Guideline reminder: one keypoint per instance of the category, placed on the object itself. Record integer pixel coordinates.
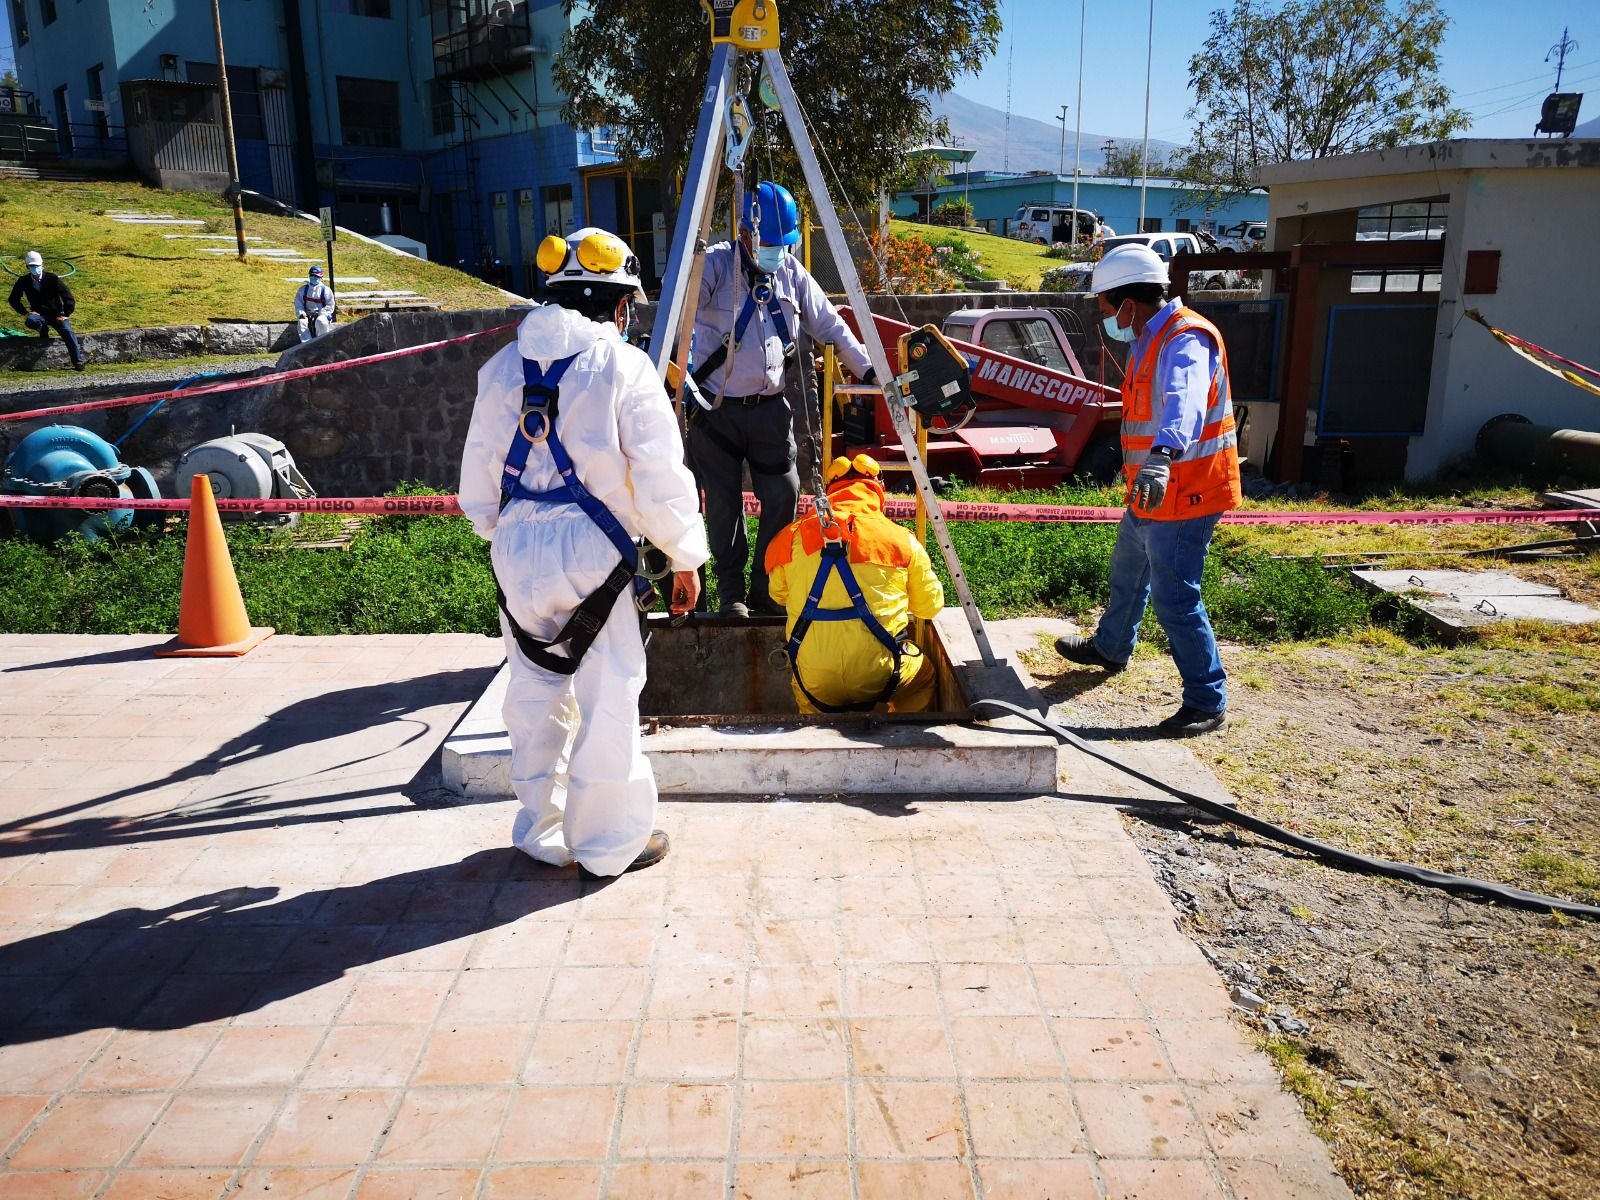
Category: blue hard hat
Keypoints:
(776, 208)
(316, 270)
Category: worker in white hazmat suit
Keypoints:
(572, 452)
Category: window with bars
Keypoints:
(369, 111)
(1405, 221)
(47, 11)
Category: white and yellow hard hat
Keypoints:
(590, 255)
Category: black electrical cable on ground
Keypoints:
(1460, 885)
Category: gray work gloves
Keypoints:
(1150, 484)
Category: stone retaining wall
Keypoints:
(367, 429)
(147, 345)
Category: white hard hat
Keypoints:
(33, 258)
(591, 255)
(1123, 265)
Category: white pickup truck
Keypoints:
(1074, 277)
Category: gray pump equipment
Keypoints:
(245, 466)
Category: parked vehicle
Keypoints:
(1075, 276)
(1046, 224)
(1038, 421)
(1246, 235)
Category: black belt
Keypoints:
(748, 401)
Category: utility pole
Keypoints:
(1149, 58)
(227, 131)
(1077, 138)
(1061, 163)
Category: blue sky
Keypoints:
(1493, 60)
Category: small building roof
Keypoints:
(1458, 154)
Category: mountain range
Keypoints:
(1031, 145)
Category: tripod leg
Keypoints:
(680, 289)
(790, 106)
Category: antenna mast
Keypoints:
(1561, 49)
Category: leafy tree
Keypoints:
(1127, 159)
(1313, 78)
(862, 69)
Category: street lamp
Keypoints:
(1061, 165)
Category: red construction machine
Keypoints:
(1038, 420)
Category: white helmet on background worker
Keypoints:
(1127, 264)
(589, 256)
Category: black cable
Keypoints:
(1460, 885)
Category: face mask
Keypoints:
(36, 269)
(1115, 331)
(770, 258)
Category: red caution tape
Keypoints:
(234, 385)
(896, 507)
(1065, 514)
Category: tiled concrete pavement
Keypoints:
(246, 950)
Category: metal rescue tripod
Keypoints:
(752, 25)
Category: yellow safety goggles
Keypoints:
(599, 253)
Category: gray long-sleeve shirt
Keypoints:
(756, 367)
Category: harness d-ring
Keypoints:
(544, 428)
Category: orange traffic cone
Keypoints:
(212, 622)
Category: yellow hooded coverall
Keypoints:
(840, 661)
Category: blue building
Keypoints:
(437, 119)
(996, 196)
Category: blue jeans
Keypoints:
(1160, 562)
(43, 325)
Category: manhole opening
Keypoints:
(711, 671)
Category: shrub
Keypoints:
(952, 212)
(1064, 279)
(956, 256)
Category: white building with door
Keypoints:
(1396, 371)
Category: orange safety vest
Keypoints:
(1205, 478)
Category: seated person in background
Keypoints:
(849, 592)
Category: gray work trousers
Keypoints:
(720, 443)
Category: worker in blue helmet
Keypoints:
(755, 299)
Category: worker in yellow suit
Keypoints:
(849, 589)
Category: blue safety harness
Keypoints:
(761, 293)
(836, 560)
(540, 405)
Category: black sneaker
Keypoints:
(734, 609)
(1187, 722)
(767, 608)
(77, 366)
(1082, 650)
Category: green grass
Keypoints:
(1018, 263)
(131, 275)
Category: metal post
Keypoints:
(1061, 163)
(1149, 57)
(689, 228)
(227, 131)
(1077, 138)
(790, 106)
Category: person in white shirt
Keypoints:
(313, 306)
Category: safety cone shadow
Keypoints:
(212, 622)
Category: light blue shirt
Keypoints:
(756, 367)
(1181, 382)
